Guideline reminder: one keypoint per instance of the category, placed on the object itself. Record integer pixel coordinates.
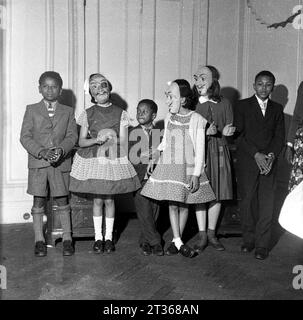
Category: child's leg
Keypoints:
(64, 214)
(183, 215)
(201, 242)
(97, 218)
(109, 217)
(38, 211)
(213, 215)
(174, 221)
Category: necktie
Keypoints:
(51, 110)
(263, 107)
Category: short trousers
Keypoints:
(43, 180)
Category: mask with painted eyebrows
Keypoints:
(97, 82)
(203, 79)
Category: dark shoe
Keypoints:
(261, 253)
(171, 250)
(40, 249)
(98, 246)
(215, 243)
(187, 251)
(109, 246)
(201, 243)
(68, 248)
(146, 249)
(157, 250)
(246, 248)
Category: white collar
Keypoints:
(105, 105)
(261, 102)
(203, 99)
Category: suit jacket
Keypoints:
(139, 144)
(258, 133)
(39, 131)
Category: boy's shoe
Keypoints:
(68, 248)
(171, 250)
(109, 246)
(98, 246)
(157, 250)
(40, 249)
(146, 249)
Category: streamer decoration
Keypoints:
(270, 25)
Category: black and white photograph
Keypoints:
(151, 154)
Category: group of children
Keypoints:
(191, 165)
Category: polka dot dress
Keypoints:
(171, 178)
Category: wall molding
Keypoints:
(49, 35)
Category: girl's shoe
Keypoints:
(171, 250)
(109, 246)
(215, 243)
(201, 243)
(98, 246)
(187, 251)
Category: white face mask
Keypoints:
(99, 89)
(203, 80)
(173, 99)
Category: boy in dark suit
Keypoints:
(260, 130)
(143, 139)
(49, 132)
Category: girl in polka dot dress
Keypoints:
(101, 166)
(179, 175)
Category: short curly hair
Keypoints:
(53, 75)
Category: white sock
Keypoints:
(109, 227)
(98, 227)
(178, 242)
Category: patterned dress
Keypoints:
(103, 169)
(170, 179)
(296, 175)
(218, 159)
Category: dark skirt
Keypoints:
(218, 169)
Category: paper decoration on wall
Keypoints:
(271, 25)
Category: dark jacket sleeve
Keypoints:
(278, 140)
(239, 122)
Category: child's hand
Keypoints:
(44, 154)
(150, 167)
(194, 184)
(55, 154)
(212, 130)
(101, 140)
(228, 130)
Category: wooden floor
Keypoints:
(127, 274)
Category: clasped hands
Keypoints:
(105, 136)
(52, 155)
(228, 130)
(264, 162)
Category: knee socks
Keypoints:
(37, 214)
(64, 214)
(109, 227)
(98, 227)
